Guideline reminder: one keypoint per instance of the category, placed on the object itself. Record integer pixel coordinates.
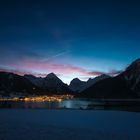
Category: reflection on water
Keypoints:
(75, 104)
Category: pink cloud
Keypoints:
(43, 68)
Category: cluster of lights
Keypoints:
(53, 98)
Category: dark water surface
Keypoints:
(129, 105)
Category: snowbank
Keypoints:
(68, 125)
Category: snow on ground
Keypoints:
(42, 124)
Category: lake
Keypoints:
(130, 105)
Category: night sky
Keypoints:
(72, 38)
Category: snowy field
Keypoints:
(42, 124)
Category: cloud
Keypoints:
(40, 68)
(12, 55)
(114, 72)
(110, 72)
(13, 70)
(43, 68)
(94, 73)
(57, 55)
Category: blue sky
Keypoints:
(70, 38)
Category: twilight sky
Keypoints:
(72, 38)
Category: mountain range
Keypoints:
(124, 85)
(29, 84)
(76, 85)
